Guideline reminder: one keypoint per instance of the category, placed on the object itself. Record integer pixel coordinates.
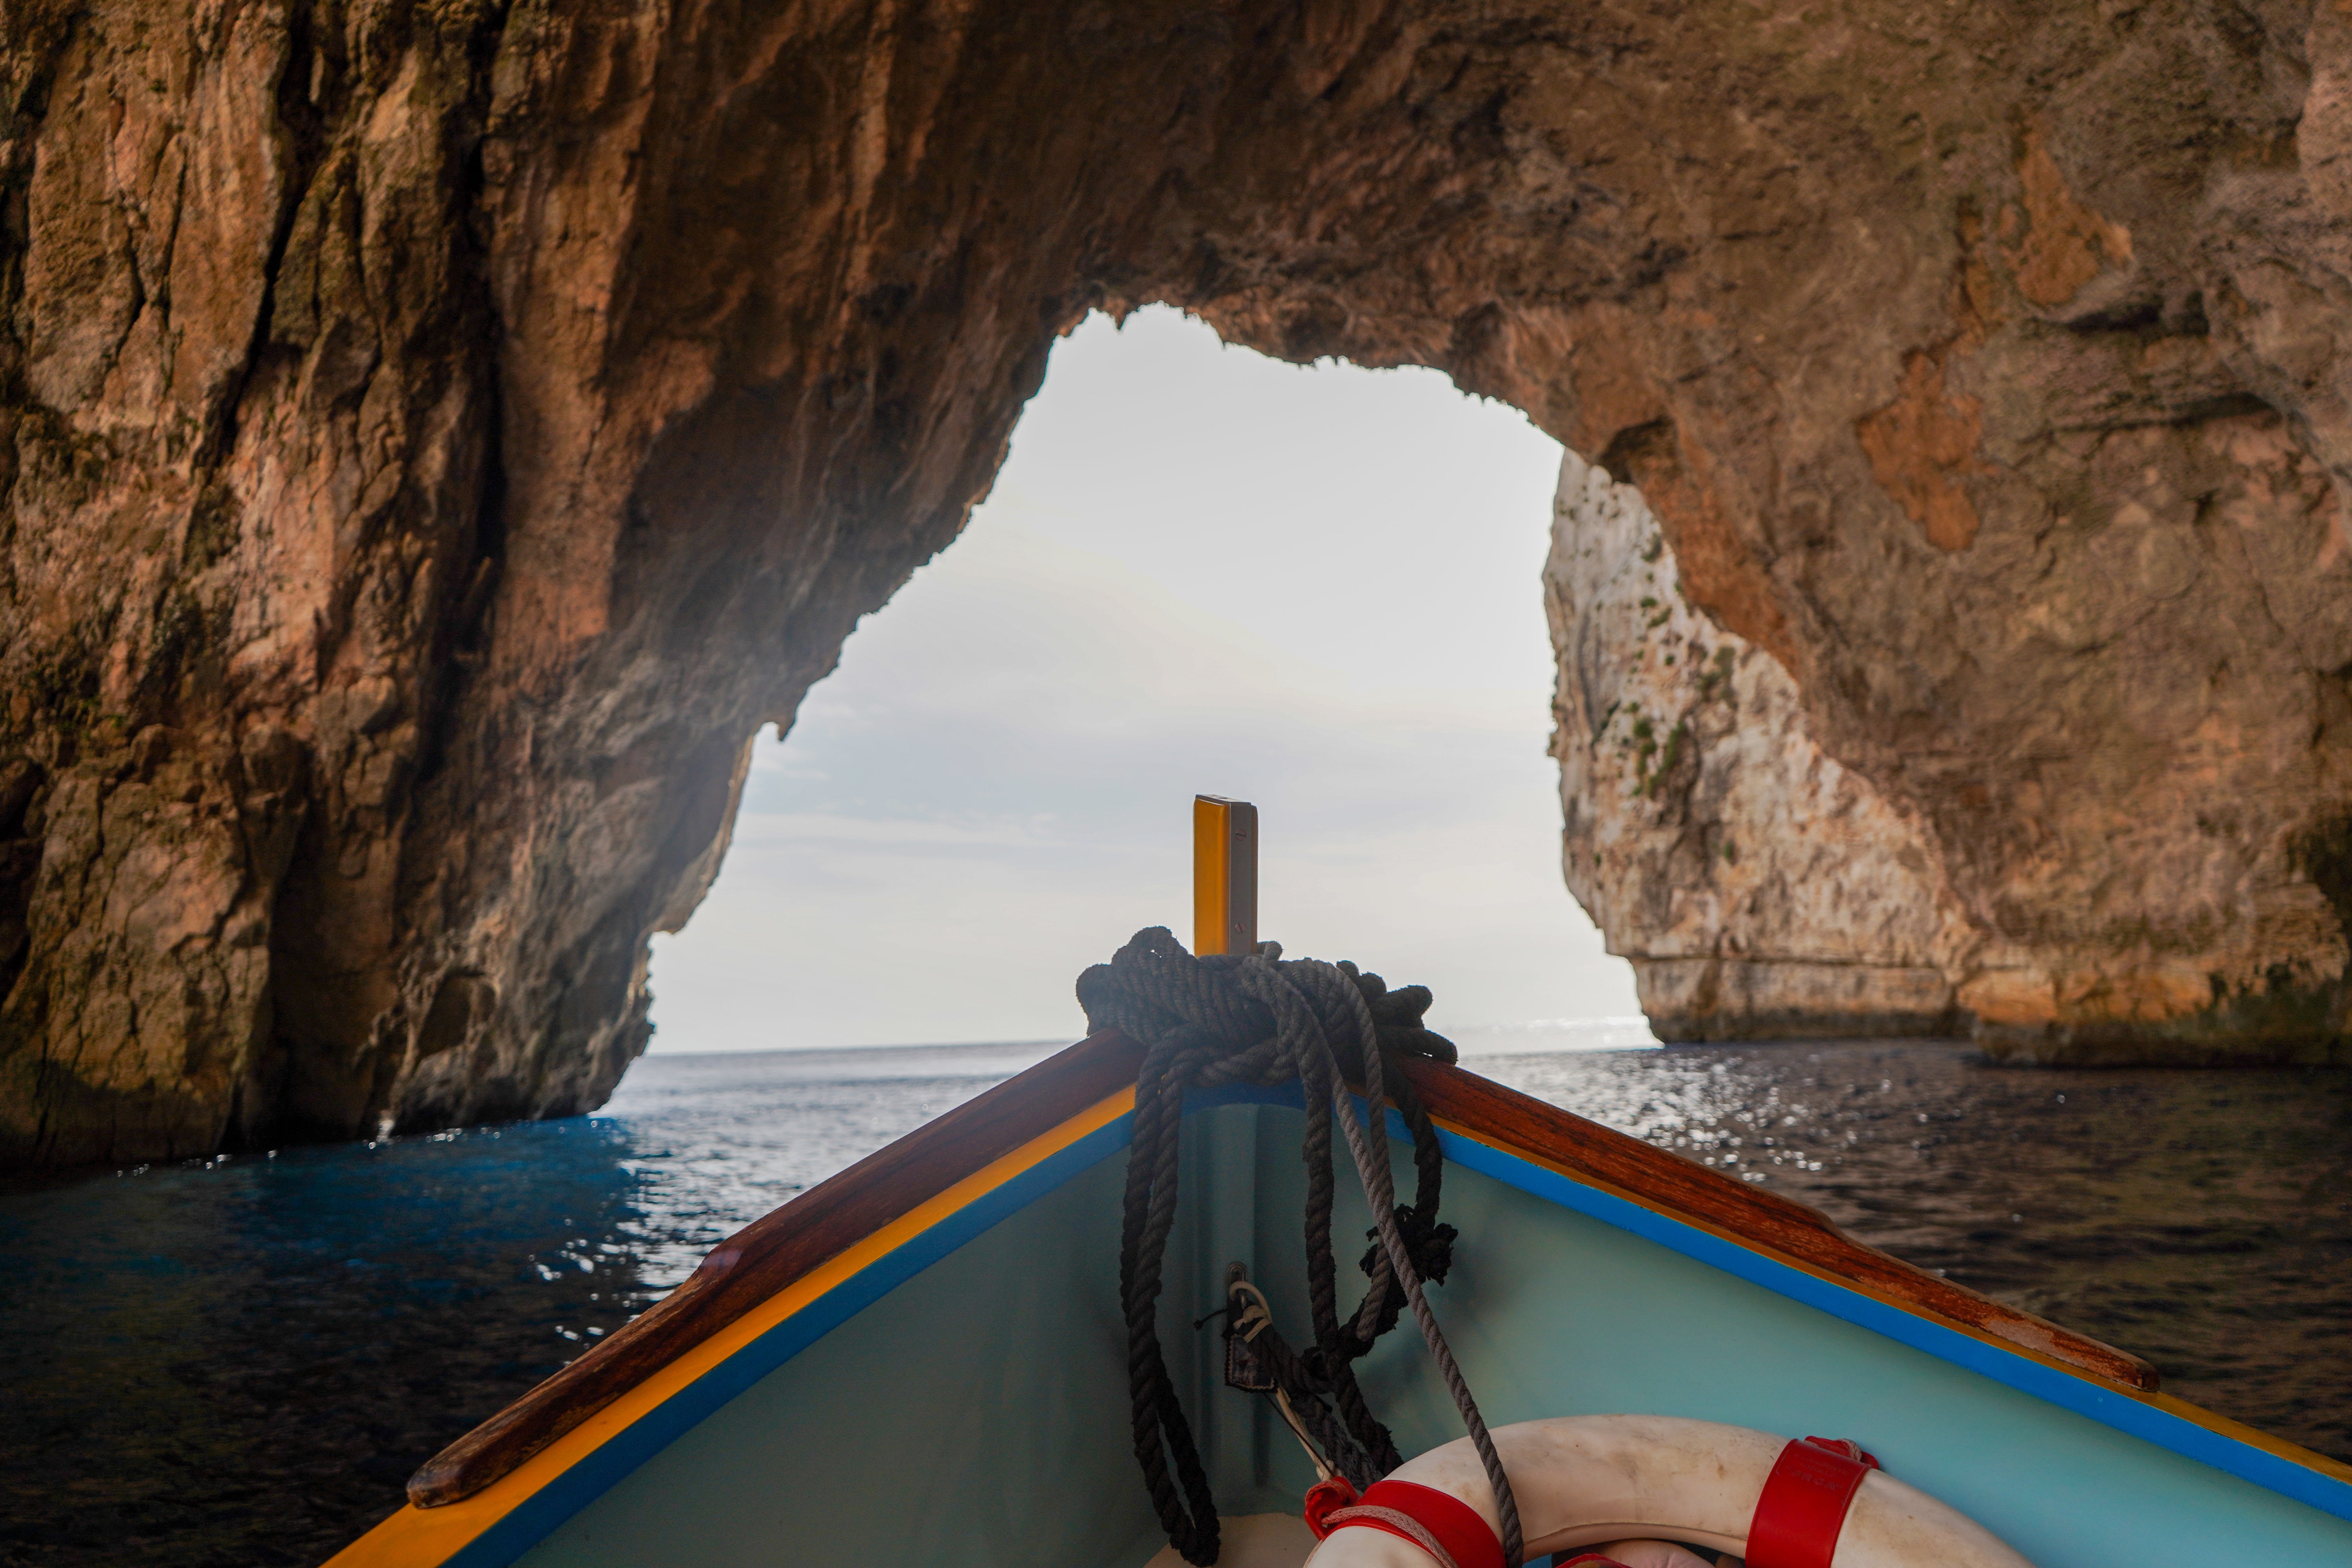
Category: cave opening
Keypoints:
(1954, 625)
(1200, 568)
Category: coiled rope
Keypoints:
(1256, 1018)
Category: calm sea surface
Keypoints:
(239, 1362)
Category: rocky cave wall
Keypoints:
(1759, 887)
(436, 435)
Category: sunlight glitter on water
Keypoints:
(1547, 1035)
(718, 1140)
(2202, 1220)
(319, 1323)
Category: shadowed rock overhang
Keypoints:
(435, 438)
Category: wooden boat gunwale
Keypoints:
(2170, 1423)
(503, 1519)
(727, 1344)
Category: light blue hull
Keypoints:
(963, 1401)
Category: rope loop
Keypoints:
(1204, 1021)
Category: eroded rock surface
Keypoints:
(1759, 887)
(436, 436)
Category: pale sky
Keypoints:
(1200, 570)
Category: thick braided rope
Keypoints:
(1161, 995)
(1189, 1513)
(1189, 1012)
(1330, 1364)
(1371, 1157)
(1150, 1007)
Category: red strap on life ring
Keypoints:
(1410, 1511)
(1804, 1503)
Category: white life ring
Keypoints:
(1587, 1480)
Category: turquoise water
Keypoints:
(240, 1361)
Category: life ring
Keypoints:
(1587, 1480)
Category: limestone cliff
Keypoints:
(1759, 887)
(1762, 889)
(435, 436)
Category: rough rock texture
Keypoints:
(1759, 887)
(436, 435)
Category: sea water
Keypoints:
(238, 1361)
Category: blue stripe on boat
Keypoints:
(533, 1519)
(2100, 1403)
(530, 1522)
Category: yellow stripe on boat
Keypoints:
(416, 1537)
(1609, 1303)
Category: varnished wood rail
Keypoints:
(773, 1251)
(778, 1249)
(1660, 1179)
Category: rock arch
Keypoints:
(437, 434)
